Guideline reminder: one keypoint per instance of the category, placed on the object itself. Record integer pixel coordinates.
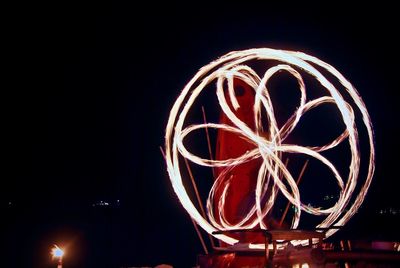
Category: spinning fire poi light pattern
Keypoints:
(273, 175)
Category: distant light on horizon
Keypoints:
(106, 203)
(389, 211)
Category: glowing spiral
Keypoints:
(273, 170)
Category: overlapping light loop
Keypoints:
(273, 175)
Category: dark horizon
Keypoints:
(81, 80)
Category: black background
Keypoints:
(86, 95)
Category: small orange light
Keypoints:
(57, 252)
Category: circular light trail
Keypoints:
(273, 174)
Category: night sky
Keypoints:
(86, 96)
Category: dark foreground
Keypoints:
(118, 236)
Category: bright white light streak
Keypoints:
(273, 171)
